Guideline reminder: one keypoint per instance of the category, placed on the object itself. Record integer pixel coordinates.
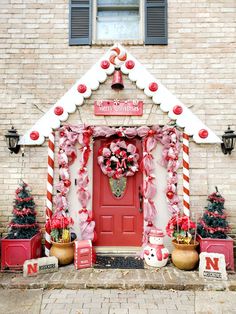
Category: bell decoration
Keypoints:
(117, 82)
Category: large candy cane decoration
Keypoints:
(186, 203)
(51, 148)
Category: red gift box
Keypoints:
(84, 254)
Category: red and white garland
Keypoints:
(118, 159)
(168, 136)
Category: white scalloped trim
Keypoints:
(139, 74)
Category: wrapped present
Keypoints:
(84, 256)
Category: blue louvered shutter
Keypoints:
(80, 22)
(156, 22)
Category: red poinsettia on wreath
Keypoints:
(118, 159)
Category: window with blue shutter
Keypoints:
(80, 13)
(156, 22)
(118, 20)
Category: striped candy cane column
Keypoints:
(186, 204)
(51, 148)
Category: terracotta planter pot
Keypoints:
(185, 256)
(63, 251)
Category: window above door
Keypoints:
(92, 22)
(118, 20)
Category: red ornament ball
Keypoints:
(58, 111)
(62, 134)
(170, 194)
(177, 110)
(203, 133)
(81, 88)
(153, 87)
(129, 64)
(105, 64)
(67, 183)
(34, 135)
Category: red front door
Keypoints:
(119, 220)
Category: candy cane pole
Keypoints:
(186, 203)
(51, 148)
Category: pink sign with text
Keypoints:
(118, 108)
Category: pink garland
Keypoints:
(170, 159)
(169, 137)
(69, 136)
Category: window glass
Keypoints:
(118, 20)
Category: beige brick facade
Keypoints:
(37, 66)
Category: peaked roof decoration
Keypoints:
(117, 56)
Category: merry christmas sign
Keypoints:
(118, 108)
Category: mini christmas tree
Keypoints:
(23, 225)
(213, 223)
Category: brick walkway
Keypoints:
(137, 302)
(117, 302)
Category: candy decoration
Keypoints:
(34, 135)
(81, 88)
(153, 87)
(58, 111)
(105, 64)
(129, 64)
(203, 133)
(177, 110)
(51, 148)
(117, 56)
(186, 203)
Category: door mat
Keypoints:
(123, 262)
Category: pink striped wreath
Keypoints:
(168, 136)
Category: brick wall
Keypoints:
(37, 67)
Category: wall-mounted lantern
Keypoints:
(228, 138)
(12, 138)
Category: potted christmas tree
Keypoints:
(24, 239)
(212, 230)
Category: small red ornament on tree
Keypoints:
(170, 194)
(81, 88)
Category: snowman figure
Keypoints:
(155, 254)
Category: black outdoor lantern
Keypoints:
(12, 138)
(228, 138)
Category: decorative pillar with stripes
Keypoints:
(51, 148)
(186, 201)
